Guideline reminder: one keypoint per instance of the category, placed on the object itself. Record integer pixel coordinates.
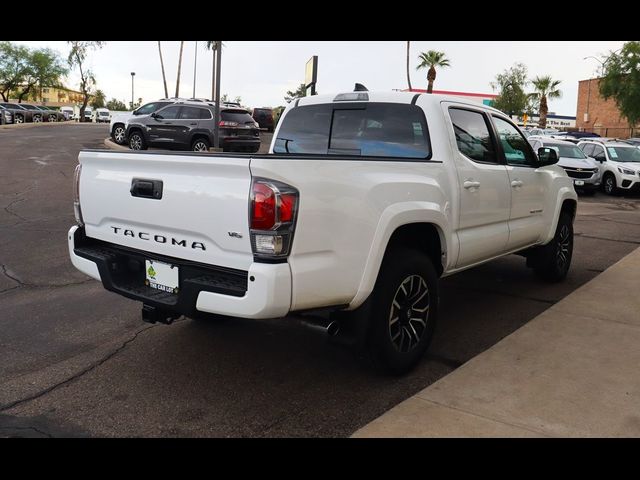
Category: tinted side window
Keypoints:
(598, 152)
(587, 148)
(516, 149)
(305, 130)
(205, 114)
(169, 113)
(472, 135)
(189, 113)
(147, 109)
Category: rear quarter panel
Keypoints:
(349, 209)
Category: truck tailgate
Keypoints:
(202, 215)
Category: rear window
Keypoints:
(368, 130)
(239, 116)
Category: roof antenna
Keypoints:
(360, 88)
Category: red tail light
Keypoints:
(263, 207)
(272, 217)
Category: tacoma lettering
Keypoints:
(158, 238)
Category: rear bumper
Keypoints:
(264, 291)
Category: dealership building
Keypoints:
(595, 114)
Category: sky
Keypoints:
(262, 72)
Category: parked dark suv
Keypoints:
(190, 127)
(264, 117)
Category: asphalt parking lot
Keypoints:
(76, 360)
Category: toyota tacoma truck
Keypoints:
(362, 203)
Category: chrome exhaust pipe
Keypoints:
(331, 329)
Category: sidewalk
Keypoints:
(573, 371)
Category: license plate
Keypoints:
(578, 182)
(161, 276)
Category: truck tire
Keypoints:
(552, 261)
(404, 309)
(136, 141)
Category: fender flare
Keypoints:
(393, 217)
(564, 193)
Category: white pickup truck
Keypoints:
(363, 202)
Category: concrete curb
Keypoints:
(114, 146)
(569, 372)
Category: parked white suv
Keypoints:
(363, 202)
(582, 169)
(619, 164)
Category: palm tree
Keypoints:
(431, 60)
(164, 78)
(408, 76)
(545, 88)
(179, 67)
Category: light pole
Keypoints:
(195, 63)
(133, 74)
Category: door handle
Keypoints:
(193, 124)
(470, 184)
(517, 183)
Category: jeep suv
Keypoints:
(189, 126)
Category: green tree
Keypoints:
(14, 67)
(225, 98)
(431, 60)
(116, 105)
(98, 99)
(45, 70)
(621, 81)
(301, 91)
(511, 84)
(77, 58)
(545, 88)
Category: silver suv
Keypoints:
(582, 169)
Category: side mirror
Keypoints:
(547, 156)
(157, 116)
